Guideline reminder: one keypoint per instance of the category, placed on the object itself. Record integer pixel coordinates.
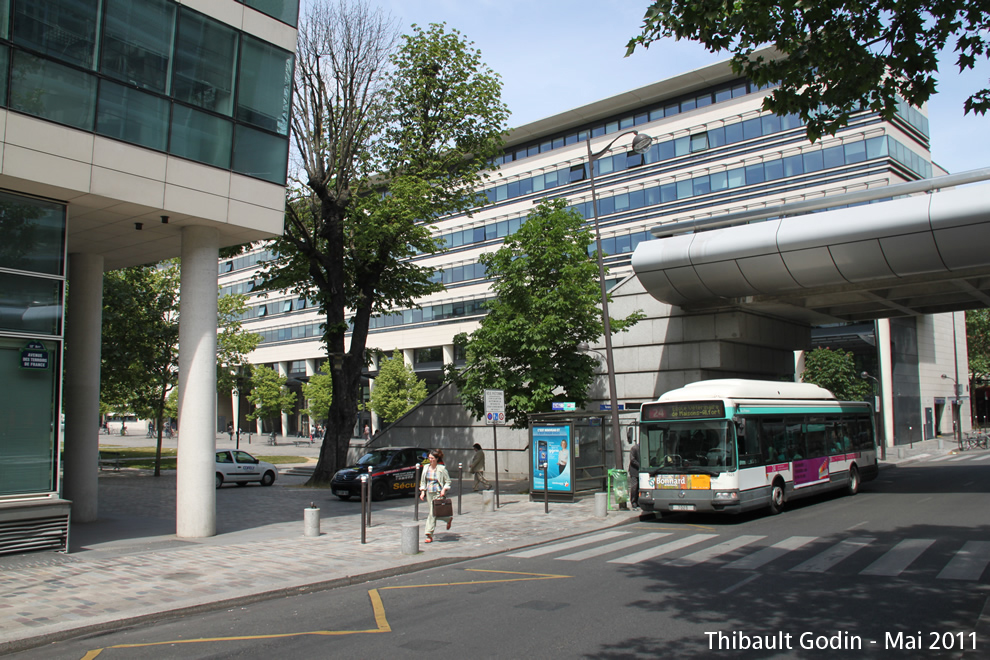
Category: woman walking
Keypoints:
(434, 483)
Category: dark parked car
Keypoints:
(392, 470)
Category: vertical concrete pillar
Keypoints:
(409, 357)
(83, 330)
(195, 497)
(886, 368)
(448, 354)
(376, 423)
(311, 368)
(283, 370)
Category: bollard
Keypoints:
(311, 520)
(460, 486)
(364, 508)
(410, 538)
(487, 501)
(419, 470)
(601, 505)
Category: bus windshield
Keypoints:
(703, 447)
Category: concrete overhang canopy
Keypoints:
(922, 254)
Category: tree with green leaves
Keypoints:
(318, 393)
(978, 344)
(139, 358)
(547, 303)
(269, 394)
(140, 343)
(835, 370)
(397, 389)
(833, 57)
(390, 134)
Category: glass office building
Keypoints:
(132, 131)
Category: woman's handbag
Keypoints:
(443, 507)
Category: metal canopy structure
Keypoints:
(914, 255)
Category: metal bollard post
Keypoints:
(601, 505)
(419, 470)
(460, 485)
(364, 506)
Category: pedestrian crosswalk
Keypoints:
(864, 555)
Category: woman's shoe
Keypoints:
(449, 520)
(429, 539)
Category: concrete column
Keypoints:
(283, 370)
(409, 357)
(376, 423)
(886, 368)
(448, 354)
(81, 377)
(195, 496)
(311, 368)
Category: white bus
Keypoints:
(733, 445)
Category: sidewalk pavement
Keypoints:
(129, 566)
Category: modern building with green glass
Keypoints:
(715, 151)
(131, 131)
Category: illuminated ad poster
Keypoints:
(551, 445)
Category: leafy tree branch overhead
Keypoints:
(832, 57)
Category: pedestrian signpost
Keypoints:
(495, 417)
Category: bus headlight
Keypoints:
(725, 496)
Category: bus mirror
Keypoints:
(629, 434)
(740, 423)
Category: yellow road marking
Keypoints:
(377, 607)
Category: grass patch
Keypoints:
(143, 458)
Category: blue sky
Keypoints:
(554, 56)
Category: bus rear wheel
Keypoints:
(853, 486)
(777, 497)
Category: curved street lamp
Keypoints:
(640, 144)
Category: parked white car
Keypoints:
(241, 468)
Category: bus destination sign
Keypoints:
(674, 410)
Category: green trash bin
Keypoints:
(618, 488)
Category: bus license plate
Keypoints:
(682, 507)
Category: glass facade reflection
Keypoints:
(153, 73)
(32, 257)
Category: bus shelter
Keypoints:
(571, 452)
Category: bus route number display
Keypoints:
(662, 411)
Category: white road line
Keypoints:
(898, 558)
(612, 547)
(566, 545)
(982, 458)
(664, 549)
(959, 458)
(767, 555)
(715, 551)
(941, 458)
(969, 563)
(826, 560)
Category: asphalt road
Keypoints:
(898, 571)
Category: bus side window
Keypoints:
(748, 442)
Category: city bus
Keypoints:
(734, 445)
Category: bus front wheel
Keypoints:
(777, 497)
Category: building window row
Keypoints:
(743, 175)
(426, 314)
(154, 74)
(245, 261)
(667, 108)
(286, 11)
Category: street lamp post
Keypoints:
(879, 412)
(640, 144)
